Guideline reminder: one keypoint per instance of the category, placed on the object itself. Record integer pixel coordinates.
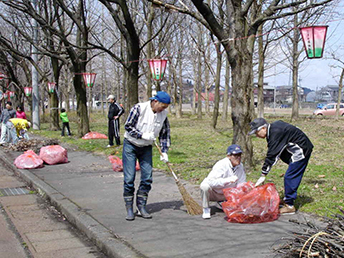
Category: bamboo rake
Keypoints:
(193, 208)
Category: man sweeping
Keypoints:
(292, 146)
(146, 121)
(227, 172)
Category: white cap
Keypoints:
(111, 97)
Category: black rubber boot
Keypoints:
(129, 207)
(141, 201)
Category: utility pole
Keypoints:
(35, 90)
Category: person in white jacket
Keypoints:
(226, 173)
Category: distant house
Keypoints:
(268, 93)
(284, 94)
(330, 91)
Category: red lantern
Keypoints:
(314, 40)
(51, 87)
(28, 91)
(11, 94)
(89, 79)
(2, 76)
(157, 68)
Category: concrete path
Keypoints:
(30, 227)
(89, 194)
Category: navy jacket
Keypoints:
(286, 142)
(115, 110)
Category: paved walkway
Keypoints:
(89, 194)
(31, 227)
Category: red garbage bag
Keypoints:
(94, 135)
(117, 164)
(28, 160)
(53, 154)
(248, 204)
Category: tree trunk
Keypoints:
(340, 87)
(241, 66)
(295, 108)
(226, 93)
(260, 93)
(179, 89)
(81, 108)
(217, 86)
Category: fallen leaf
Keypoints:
(334, 188)
(316, 186)
(321, 176)
(282, 175)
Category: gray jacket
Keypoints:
(7, 114)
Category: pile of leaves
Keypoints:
(313, 242)
(33, 144)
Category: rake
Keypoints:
(193, 208)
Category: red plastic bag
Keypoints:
(53, 154)
(117, 164)
(94, 135)
(248, 204)
(28, 160)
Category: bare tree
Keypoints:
(237, 36)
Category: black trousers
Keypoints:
(113, 131)
(65, 125)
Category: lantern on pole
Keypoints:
(11, 94)
(51, 87)
(157, 68)
(313, 38)
(28, 91)
(89, 79)
(2, 76)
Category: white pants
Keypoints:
(208, 194)
(3, 136)
(8, 133)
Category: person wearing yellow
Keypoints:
(21, 126)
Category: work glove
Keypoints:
(164, 157)
(260, 181)
(148, 136)
(231, 179)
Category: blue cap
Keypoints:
(162, 97)
(234, 149)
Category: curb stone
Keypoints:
(107, 241)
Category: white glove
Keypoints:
(148, 136)
(164, 157)
(260, 181)
(231, 179)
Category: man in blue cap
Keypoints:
(146, 121)
(226, 173)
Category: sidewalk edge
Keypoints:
(102, 237)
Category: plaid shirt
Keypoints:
(130, 127)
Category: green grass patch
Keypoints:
(196, 146)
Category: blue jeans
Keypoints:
(292, 179)
(129, 156)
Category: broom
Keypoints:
(193, 208)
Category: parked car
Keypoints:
(330, 110)
(320, 105)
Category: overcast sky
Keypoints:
(317, 73)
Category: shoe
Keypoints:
(219, 205)
(287, 209)
(109, 146)
(281, 203)
(206, 213)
